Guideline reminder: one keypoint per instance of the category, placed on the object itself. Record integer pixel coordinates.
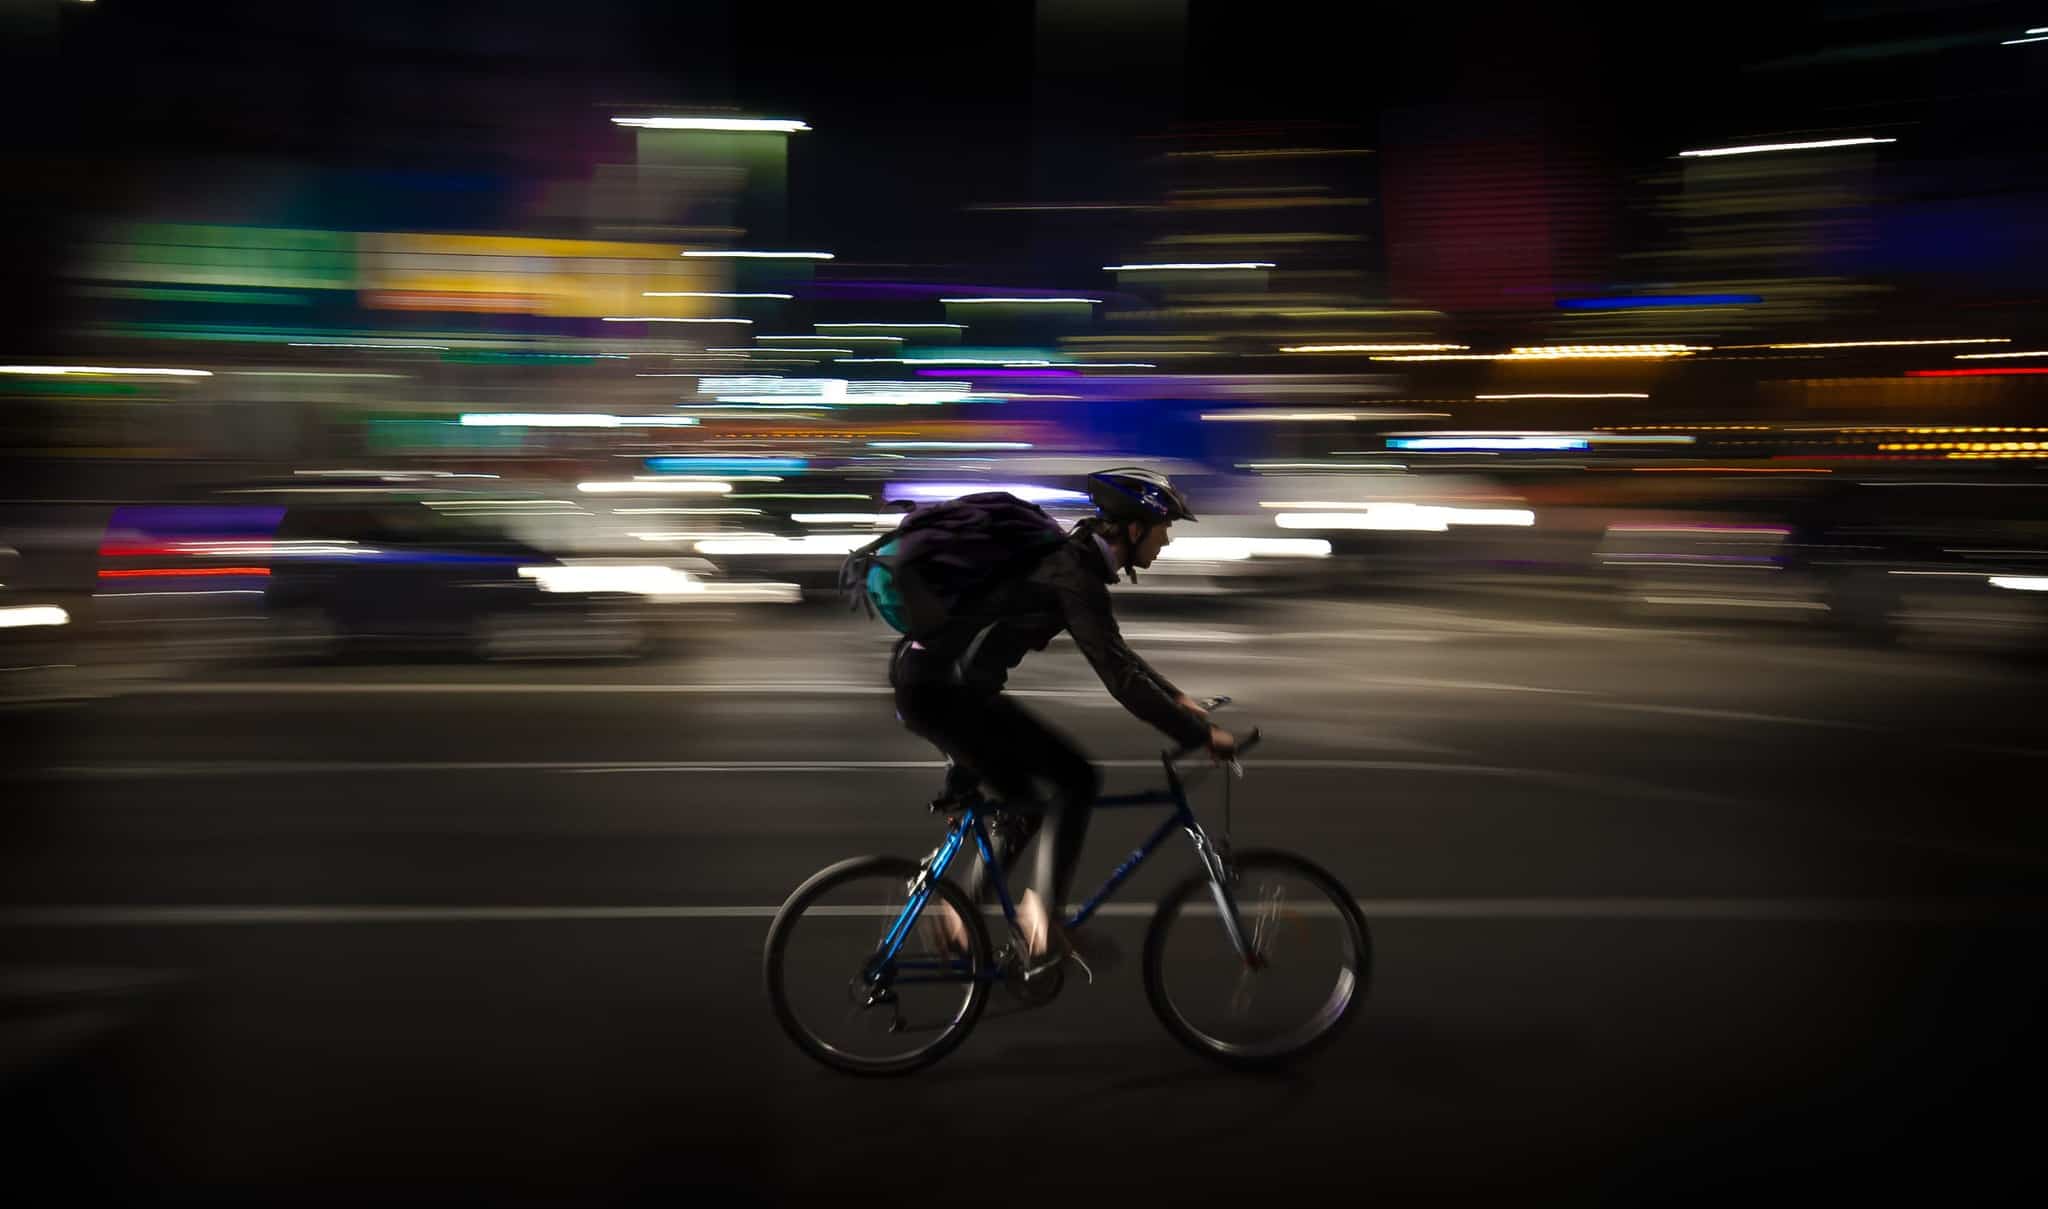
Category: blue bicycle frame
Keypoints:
(880, 966)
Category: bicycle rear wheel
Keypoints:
(914, 1011)
(1313, 962)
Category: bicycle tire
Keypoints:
(1345, 910)
(775, 978)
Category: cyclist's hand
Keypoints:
(1191, 705)
(1222, 744)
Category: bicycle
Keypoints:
(878, 988)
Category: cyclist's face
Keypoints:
(1154, 539)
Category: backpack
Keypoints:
(939, 559)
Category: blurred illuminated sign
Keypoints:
(518, 275)
(205, 254)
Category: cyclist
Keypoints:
(948, 690)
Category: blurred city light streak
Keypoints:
(1016, 301)
(1404, 516)
(572, 420)
(1187, 267)
(1602, 395)
(1237, 549)
(1881, 343)
(177, 572)
(835, 544)
(2014, 371)
(668, 319)
(1372, 348)
(1994, 356)
(634, 578)
(1639, 302)
(2020, 583)
(1469, 443)
(1757, 148)
(708, 294)
(107, 370)
(754, 125)
(739, 255)
(22, 616)
(938, 492)
(653, 487)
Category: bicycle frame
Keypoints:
(970, 822)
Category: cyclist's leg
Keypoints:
(960, 724)
(1031, 743)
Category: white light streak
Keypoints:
(516, 419)
(667, 319)
(1321, 466)
(1397, 515)
(2020, 583)
(122, 370)
(1237, 549)
(1187, 266)
(654, 487)
(638, 579)
(1276, 417)
(708, 294)
(835, 544)
(2021, 41)
(847, 518)
(1755, 148)
(1372, 348)
(1895, 343)
(756, 125)
(308, 373)
(872, 339)
(736, 255)
(22, 616)
(686, 511)
(409, 346)
(949, 445)
(1991, 356)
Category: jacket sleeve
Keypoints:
(1129, 679)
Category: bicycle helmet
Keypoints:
(1132, 493)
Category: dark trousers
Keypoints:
(1011, 750)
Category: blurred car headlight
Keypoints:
(19, 616)
(639, 579)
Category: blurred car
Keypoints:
(38, 663)
(366, 566)
(1954, 561)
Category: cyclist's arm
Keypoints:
(1128, 678)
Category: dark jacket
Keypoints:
(1067, 590)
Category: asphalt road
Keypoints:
(1662, 915)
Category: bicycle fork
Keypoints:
(1217, 866)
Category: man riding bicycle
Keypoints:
(948, 689)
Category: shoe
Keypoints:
(1043, 943)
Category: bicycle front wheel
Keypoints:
(1310, 964)
(844, 1008)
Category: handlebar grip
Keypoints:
(1243, 745)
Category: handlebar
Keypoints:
(1244, 745)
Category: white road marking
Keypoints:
(1758, 910)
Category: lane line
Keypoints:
(1758, 910)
